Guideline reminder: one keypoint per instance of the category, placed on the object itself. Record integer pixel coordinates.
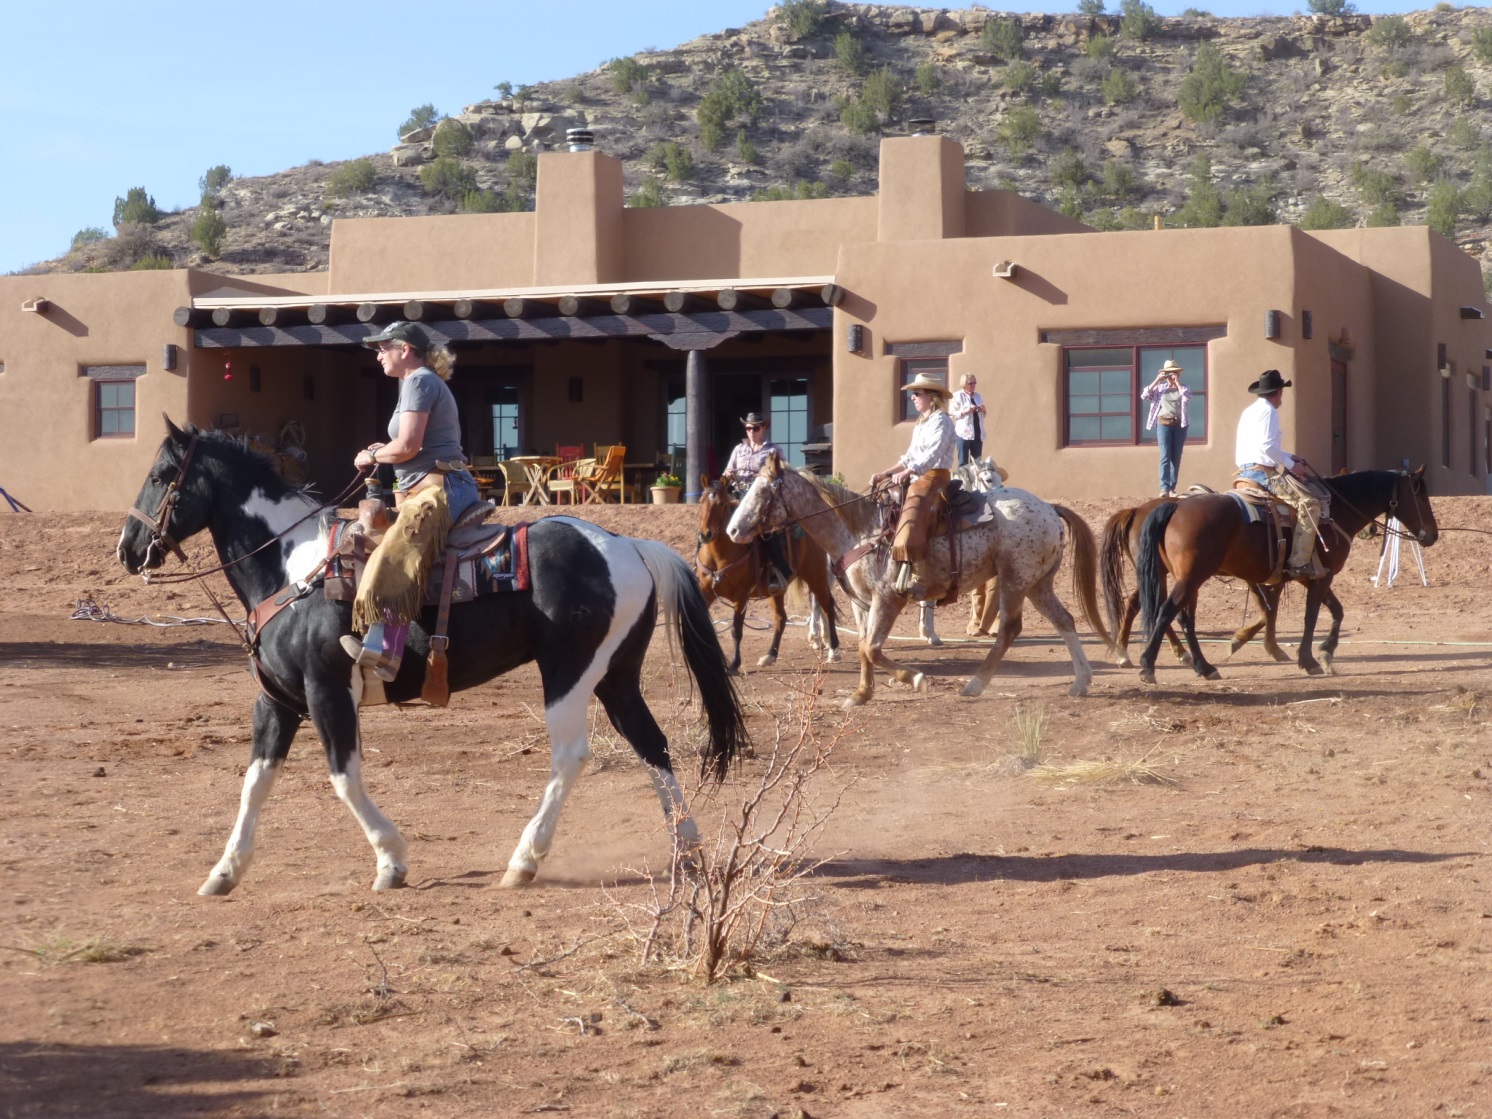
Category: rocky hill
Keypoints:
(1323, 121)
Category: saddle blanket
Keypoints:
(496, 563)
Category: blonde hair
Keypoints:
(939, 404)
(441, 361)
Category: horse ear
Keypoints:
(704, 481)
(1418, 473)
(173, 433)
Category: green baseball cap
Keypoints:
(400, 331)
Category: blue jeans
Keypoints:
(461, 493)
(969, 450)
(1171, 440)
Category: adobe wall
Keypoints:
(442, 253)
(927, 291)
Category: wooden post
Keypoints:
(328, 314)
(786, 298)
(729, 299)
(681, 302)
(224, 316)
(695, 424)
(625, 303)
(516, 307)
(415, 310)
(475, 309)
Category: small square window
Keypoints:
(114, 409)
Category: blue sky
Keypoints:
(96, 98)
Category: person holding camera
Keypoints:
(1167, 398)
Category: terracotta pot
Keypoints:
(666, 495)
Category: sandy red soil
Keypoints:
(1300, 924)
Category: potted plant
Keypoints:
(667, 488)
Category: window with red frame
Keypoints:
(1102, 386)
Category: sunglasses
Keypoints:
(754, 427)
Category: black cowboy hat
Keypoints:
(1269, 381)
(751, 419)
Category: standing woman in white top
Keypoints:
(1167, 398)
(968, 412)
(928, 463)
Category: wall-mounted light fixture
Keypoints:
(254, 378)
(168, 356)
(854, 338)
(1271, 324)
(1307, 325)
(36, 306)
(577, 390)
(1471, 313)
(1005, 270)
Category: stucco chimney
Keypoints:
(577, 219)
(922, 188)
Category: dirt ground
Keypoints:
(1299, 924)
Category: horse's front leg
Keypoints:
(569, 750)
(926, 624)
(779, 623)
(274, 729)
(737, 626)
(334, 713)
(875, 626)
(1169, 608)
(1329, 646)
(1305, 659)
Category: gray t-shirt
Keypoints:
(423, 391)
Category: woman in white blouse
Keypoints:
(928, 464)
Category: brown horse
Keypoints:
(1210, 535)
(1121, 543)
(737, 573)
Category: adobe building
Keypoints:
(587, 322)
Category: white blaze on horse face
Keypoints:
(301, 549)
(743, 522)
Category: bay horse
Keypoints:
(1210, 535)
(587, 620)
(1120, 544)
(1022, 544)
(735, 573)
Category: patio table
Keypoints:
(535, 467)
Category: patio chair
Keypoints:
(516, 485)
(603, 480)
(564, 478)
(489, 479)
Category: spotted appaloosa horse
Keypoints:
(1209, 535)
(733, 572)
(1023, 544)
(587, 622)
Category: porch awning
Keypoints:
(685, 315)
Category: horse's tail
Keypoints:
(687, 618)
(1112, 554)
(1085, 570)
(1149, 569)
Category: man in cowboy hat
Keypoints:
(1167, 397)
(745, 462)
(927, 463)
(1264, 462)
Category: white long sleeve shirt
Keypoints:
(932, 445)
(1259, 437)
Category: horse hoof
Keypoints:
(1147, 675)
(974, 687)
(1077, 689)
(919, 682)
(1280, 656)
(389, 878)
(767, 661)
(733, 670)
(1212, 674)
(1313, 670)
(1233, 648)
(935, 641)
(857, 699)
(515, 879)
(833, 657)
(216, 887)
(1123, 661)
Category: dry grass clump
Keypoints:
(94, 950)
(1030, 725)
(737, 898)
(1141, 771)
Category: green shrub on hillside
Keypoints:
(627, 74)
(448, 177)
(799, 190)
(1118, 179)
(673, 159)
(859, 118)
(1251, 205)
(356, 176)
(841, 169)
(849, 53)
(1120, 87)
(1465, 133)
(1376, 187)
(512, 199)
(1003, 38)
(1138, 20)
(1100, 46)
(929, 78)
(1335, 9)
(90, 235)
(421, 116)
(882, 91)
(1423, 163)
(1019, 77)
(1390, 33)
(1460, 90)
(731, 96)
(523, 167)
(1068, 168)
(1203, 207)
(135, 206)
(1481, 43)
(1443, 207)
(209, 228)
(802, 17)
(1212, 87)
(1020, 128)
(745, 150)
(649, 195)
(1090, 8)
(215, 179)
(1382, 216)
(1323, 213)
(152, 263)
(452, 137)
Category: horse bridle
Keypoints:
(158, 524)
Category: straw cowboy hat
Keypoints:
(1000, 470)
(925, 383)
(1269, 381)
(1171, 367)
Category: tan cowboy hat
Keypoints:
(926, 384)
(1171, 367)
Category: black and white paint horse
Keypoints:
(587, 621)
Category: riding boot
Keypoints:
(779, 571)
(381, 649)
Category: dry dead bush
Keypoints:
(738, 895)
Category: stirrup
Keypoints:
(903, 577)
(385, 667)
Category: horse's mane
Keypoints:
(856, 510)
(1361, 485)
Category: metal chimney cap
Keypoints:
(580, 139)
(922, 126)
